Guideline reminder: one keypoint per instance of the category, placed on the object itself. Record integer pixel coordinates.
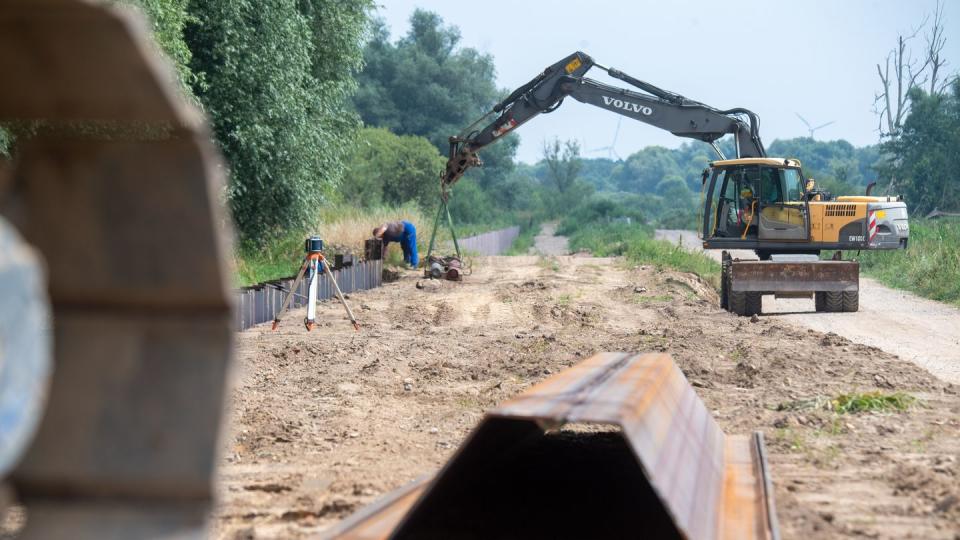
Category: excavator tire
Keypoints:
(754, 303)
(745, 304)
(851, 301)
(820, 301)
(725, 287)
(833, 301)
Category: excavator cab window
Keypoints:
(783, 211)
(733, 202)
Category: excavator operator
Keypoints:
(746, 207)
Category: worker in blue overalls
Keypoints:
(403, 232)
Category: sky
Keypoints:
(815, 58)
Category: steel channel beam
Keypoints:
(682, 477)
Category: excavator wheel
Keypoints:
(820, 301)
(745, 303)
(725, 282)
(833, 301)
(851, 301)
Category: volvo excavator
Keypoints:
(750, 201)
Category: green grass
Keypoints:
(930, 266)
(854, 403)
(871, 401)
(522, 244)
(636, 244)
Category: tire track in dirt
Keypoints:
(325, 422)
(922, 331)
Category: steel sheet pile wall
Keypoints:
(260, 303)
(491, 243)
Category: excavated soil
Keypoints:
(325, 422)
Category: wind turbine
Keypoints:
(810, 127)
(611, 150)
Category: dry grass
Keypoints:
(343, 230)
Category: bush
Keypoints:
(636, 243)
(284, 132)
(598, 210)
(929, 267)
(390, 169)
(6, 142)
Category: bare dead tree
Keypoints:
(901, 72)
(892, 103)
(935, 44)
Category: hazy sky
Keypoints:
(813, 57)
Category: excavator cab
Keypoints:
(755, 203)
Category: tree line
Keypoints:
(313, 102)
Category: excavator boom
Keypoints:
(655, 106)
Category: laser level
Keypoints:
(314, 264)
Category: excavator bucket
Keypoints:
(116, 186)
(644, 459)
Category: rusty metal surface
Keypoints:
(670, 472)
(380, 518)
(769, 276)
(120, 190)
(94, 66)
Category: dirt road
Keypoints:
(546, 242)
(920, 330)
(324, 422)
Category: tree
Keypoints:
(925, 156)
(893, 103)
(167, 19)
(563, 165)
(426, 84)
(392, 169)
(6, 143)
(644, 169)
(285, 133)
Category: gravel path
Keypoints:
(547, 243)
(923, 331)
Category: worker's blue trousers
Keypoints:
(408, 242)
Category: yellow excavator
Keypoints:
(749, 202)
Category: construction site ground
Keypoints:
(325, 422)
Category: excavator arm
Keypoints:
(654, 106)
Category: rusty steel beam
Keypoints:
(787, 277)
(119, 189)
(644, 457)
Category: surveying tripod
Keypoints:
(314, 263)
